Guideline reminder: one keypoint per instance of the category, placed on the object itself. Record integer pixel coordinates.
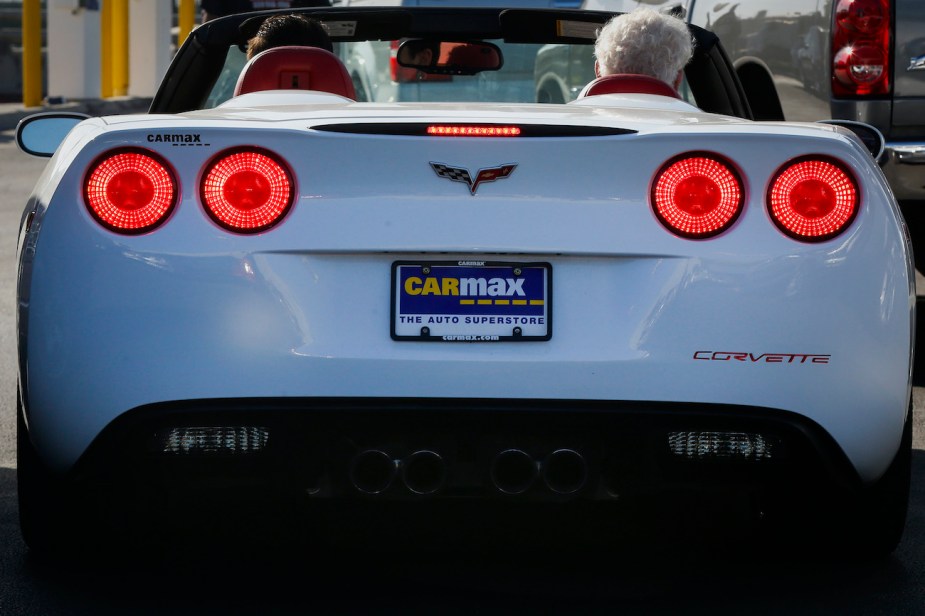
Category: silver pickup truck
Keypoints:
(847, 59)
(861, 60)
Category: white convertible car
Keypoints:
(508, 309)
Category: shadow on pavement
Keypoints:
(695, 575)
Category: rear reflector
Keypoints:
(743, 446)
(211, 440)
(465, 130)
(697, 195)
(247, 190)
(130, 191)
(813, 199)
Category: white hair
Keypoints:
(644, 42)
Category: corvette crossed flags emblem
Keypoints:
(458, 174)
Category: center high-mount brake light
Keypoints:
(247, 190)
(813, 198)
(697, 195)
(130, 191)
(467, 130)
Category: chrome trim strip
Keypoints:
(908, 154)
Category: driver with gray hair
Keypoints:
(644, 42)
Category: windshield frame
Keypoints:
(199, 62)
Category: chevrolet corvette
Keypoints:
(268, 289)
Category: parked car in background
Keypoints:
(378, 78)
(857, 60)
(849, 59)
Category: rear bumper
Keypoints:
(905, 170)
(462, 450)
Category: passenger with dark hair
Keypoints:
(422, 52)
(284, 30)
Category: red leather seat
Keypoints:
(295, 68)
(628, 84)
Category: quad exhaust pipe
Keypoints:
(565, 471)
(512, 471)
(373, 471)
(423, 472)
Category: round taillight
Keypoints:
(813, 199)
(863, 16)
(697, 195)
(130, 191)
(247, 190)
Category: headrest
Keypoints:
(295, 68)
(628, 84)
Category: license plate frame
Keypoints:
(471, 301)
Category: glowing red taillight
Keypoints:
(813, 199)
(130, 191)
(861, 48)
(697, 195)
(247, 190)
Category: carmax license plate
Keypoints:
(471, 301)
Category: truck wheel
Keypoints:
(550, 93)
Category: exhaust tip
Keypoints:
(513, 471)
(424, 472)
(565, 471)
(372, 471)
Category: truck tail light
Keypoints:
(813, 198)
(247, 190)
(130, 191)
(697, 195)
(861, 48)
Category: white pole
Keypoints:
(149, 45)
(73, 35)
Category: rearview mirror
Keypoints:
(449, 57)
(41, 134)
